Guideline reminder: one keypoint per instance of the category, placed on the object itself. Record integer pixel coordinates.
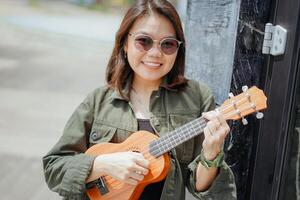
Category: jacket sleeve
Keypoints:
(66, 167)
(223, 187)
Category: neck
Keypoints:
(140, 96)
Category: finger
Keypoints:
(209, 115)
(224, 131)
(223, 127)
(140, 159)
(220, 135)
(207, 137)
(227, 128)
(131, 181)
(213, 123)
(139, 169)
(137, 176)
(212, 126)
(217, 137)
(142, 162)
(216, 123)
(221, 118)
(137, 154)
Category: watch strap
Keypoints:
(217, 162)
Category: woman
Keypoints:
(146, 90)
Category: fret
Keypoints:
(181, 132)
(241, 108)
(193, 126)
(177, 137)
(160, 150)
(160, 142)
(173, 140)
(166, 142)
(177, 134)
(189, 132)
(163, 149)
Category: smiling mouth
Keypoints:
(151, 64)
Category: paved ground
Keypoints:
(51, 56)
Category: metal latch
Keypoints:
(274, 40)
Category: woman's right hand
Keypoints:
(128, 167)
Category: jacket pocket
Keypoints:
(101, 133)
(184, 151)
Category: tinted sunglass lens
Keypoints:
(169, 46)
(143, 43)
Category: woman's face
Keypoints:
(151, 65)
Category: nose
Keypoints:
(155, 51)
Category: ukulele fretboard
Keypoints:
(176, 137)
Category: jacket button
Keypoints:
(156, 122)
(94, 135)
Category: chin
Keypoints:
(152, 78)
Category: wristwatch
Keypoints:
(217, 162)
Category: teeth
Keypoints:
(152, 64)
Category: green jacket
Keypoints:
(105, 116)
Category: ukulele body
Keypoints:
(114, 189)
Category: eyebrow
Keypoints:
(145, 33)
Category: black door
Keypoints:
(275, 168)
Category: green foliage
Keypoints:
(131, 1)
(33, 2)
(98, 7)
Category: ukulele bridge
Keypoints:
(100, 184)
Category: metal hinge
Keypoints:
(274, 40)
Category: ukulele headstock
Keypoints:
(252, 100)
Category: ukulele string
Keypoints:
(225, 115)
(223, 111)
(116, 183)
(202, 125)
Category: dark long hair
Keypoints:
(118, 70)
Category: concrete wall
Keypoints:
(224, 42)
(211, 28)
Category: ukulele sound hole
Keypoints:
(134, 148)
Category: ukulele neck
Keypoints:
(176, 137)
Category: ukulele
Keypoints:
(155, 149)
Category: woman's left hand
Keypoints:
(215, 133)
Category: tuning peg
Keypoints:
(244, 121)
(231, 95)
(245, 88)
(259, 115)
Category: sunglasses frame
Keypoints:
(135, 35)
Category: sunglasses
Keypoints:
(144, 43)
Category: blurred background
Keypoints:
(52, 53)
